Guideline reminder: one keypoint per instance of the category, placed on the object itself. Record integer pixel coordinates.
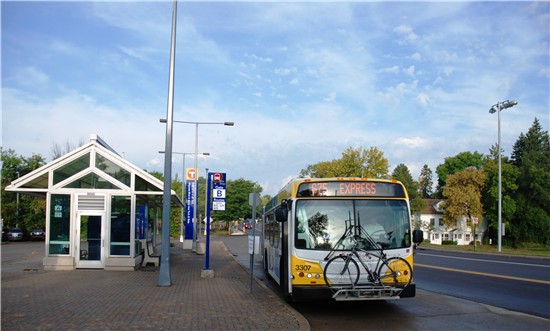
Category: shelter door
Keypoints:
(90, 245)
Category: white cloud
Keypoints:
(391, 70)
(285, 71)
(416, 56)
(67, 48)
(406, 31)
(30, 76)
(412, 142)
(409, 71)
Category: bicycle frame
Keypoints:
(361, 235)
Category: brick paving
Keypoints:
(35, 299)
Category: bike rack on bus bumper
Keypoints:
(366, 292)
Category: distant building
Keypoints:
(100, 208)
(431, 222)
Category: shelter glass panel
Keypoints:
(92, 181)
(60, 224)
(38, 182)
(120, 225)
(112, 169)
(143, 185)
(71, 168)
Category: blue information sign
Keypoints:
(189, 211)
(218, 190)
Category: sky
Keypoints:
(302, 81)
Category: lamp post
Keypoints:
(164, 272)
(498, 107)
(196, 207)
(183, 180)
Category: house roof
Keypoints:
(93, 166)
(432, 207)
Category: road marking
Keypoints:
(483, 260)
(485, 274)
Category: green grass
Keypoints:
(544, 252)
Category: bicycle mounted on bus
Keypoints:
(342, 273)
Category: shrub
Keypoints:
(449, 242)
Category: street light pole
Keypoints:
(196, 189)
(164, 272)
(498, 107)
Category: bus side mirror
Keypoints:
(418, 236)
(281, 213)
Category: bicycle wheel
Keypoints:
(395, 271)
(341, 271)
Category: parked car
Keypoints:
(4, 234)
(16, 234)
(247, 224)
(38, 234)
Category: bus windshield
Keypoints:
(321, 223)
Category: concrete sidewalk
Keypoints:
(109, 300)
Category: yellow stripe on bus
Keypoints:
(485, 274)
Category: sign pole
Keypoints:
(207, 223)
(253, 200)
(215, 195)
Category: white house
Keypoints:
(435, 232)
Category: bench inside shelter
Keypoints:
(152, 254)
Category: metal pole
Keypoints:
(17, 207)
(498, 107)
(206, 202)
(499, 184)
(254, 203)
(195, 186)
(183, 199)
(207, 223)
(164, 272)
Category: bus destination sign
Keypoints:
(351, 189)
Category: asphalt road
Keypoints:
(428, 310)
(511, 282)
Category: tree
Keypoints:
(425, 181)
(402, 174)
(454, 164)
(531, 154)
(29, 211)
(463, 196)
(237, 200)
(358, 162)
(58, 150)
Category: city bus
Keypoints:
(308, 217)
